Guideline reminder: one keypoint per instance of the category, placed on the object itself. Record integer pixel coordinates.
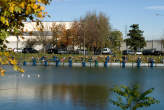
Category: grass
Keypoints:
(77, 58)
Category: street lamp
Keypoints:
(17, 41)
(84, 42)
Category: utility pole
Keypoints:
(84, 42)
(17, 42)
(126, 35)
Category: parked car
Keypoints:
(128, 52)
(106, 51)
(138, 53)
(18, 50)
(62, 51)
(149, 52)
(157, 52)
(97, 52)
(29, 50)
(81, 51)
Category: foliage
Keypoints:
(6, 59)
(132, 98)
(75, 34)
(59, 35)
(41, 31)
(14, 12)
(136, 40)
(94, 29)
(12, 15)
(115, 38)
(30, 43)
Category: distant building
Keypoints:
(150, 44)
(155, 44)
(31, 27)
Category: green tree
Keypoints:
(115, 38)
(136, 41)
(132, 98)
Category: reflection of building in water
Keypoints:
(89, 97)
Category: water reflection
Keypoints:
(90, 96)
(49, 88)
(87, 96)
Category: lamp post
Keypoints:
(84, 42)
(17, 42)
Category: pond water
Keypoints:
(64, 88)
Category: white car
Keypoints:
(19, 50)
(106, 51)
(139, 53)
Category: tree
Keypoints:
(132, 98)
(41, 31)
(14, 12)
(136, 40)
(115, 38)
(12, 15)
(95, 30)
(59, 38)
(30, 43)
(77, 34)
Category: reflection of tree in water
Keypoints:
(137, 76)
(90, 96)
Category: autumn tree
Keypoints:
(59, 38)
(12, 15)
(136, 41)
(14, 12)
(95, 30)
(76, 34)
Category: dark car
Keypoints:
(97, 52)
(128, 52)
(149, 52)
(158, 52)
(29, 50)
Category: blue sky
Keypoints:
(120, 13)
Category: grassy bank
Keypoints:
(77, 58)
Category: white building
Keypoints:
(31, 27)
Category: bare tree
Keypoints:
(95, 30)
(42, 33)
(30, 43)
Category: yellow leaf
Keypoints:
(22, 5)
(2, 72)
(15, 67)
(42, 8)
(13, 62)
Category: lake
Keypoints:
(76, 88)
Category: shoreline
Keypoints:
(98, 65)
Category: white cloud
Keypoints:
(160, 7)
